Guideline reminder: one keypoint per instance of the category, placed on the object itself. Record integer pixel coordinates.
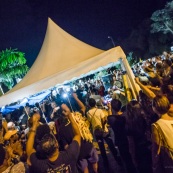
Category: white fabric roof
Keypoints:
(61, 58)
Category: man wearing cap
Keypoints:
(12, 137)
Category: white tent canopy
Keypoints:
(61, 58)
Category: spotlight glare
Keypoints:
(65, 95)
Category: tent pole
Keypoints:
(126, 87)
(135, 88)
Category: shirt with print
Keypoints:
(65, 163)
(17, 168)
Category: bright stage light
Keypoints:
(65, 95)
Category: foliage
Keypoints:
(130, 59)
(163, 20)
(12, 66)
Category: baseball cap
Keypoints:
(9, 134)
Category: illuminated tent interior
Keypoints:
(63, 58)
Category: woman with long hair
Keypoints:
(136, 128)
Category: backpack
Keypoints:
(163, 161)
(98, 130)
(162, 140)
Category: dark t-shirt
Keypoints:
(65, 163)
(117, 123)
(66, 136)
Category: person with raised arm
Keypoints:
(55, 161)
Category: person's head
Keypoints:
(142, 97)
(146, 105)
(167, 90)
(48, 145)
(41, 131)
(30, 121)
(114, 78)
(53, 104)
(133, 109)
(27, 105)
(116, 105)
(34, 110)
(92, 102)
(37, 105)
(23, 126)
(11, 135)
(93, 91)
(135, 118)
(167, 63)
(158, 66)
(8, 117)
(11, 126)
(21, 109)
(160, 104)
(158, 58)
(155, 82)
(65, 109)
(151, 65)
(165, 53)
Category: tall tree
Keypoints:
(163, 20)
(12, 66)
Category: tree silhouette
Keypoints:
(163, 20)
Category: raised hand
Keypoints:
(66, 111)
(137, 80)
(36, 119)
(75, 95)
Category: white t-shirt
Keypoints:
(94, 116)
(167, 129)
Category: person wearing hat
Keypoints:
(8, 117)
(11, 135)
(14, 142)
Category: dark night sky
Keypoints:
(23, 23)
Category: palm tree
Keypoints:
(12, 66)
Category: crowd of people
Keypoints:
(57, 135)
